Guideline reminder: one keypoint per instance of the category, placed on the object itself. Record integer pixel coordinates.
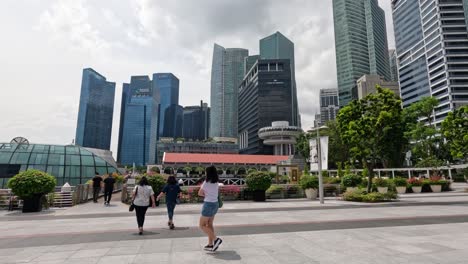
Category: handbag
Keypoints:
(220, 201)
(132, 205)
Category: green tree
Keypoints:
(338, 151)
(423, 135)
(302, 145)
(367, 125)
(455, 130)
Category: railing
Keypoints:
(225, 180)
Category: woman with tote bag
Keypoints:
(143, 195)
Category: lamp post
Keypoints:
(319, 156)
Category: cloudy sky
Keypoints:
(46, 44)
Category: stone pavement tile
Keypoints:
(69, 261)
(408, 249)
(54, 256)
(118, 251)
(195, 257)
(127, 259)
(151, 258)
(129, 243)
(156, 246)
(251, 252)
(97, 245)
(454, 256)
(434, 246)
(223, 256)
(187, 244)
(71, 247)
(259, 259)
(99, 252)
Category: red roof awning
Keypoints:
(222, 158)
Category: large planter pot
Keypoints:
(416, 189)
(436, 188)
(32, 204)
(382, 189)
(401, 189)
(351, 189)
(259, 196)
(311, 193)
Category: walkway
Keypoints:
(420, 228)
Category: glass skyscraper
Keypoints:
(227, 72)
(167, 85)
(139, 126)
(277, 46)
(361, 44)
(196, 122)
(328, 105)
(96, 109)
(432, 47)
(392, 56)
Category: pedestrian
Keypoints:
(108, 189)
(171, 190)
(97, 181)
(210, 191)
(143, 194)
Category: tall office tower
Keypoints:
(227, 71)
(277, 46)
(360, 43)
(139, 128)
(265, 96)
(328, 105)
(196, 122)
(173, 123)
(317, 120)
(249, 62)
(96, 110)
(432, 46)
(168, 86)
(367, 85)
(392, 56)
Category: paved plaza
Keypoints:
(419, 228)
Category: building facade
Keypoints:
(277, 46)
(226, 75)
(432, 46)
(167, 85)
(392, 56)
(281, 136)
(173, 124)
(139, 128)
(367, 83)
(96, 110)
(265, 96)
(196, 122)
(329, 106)
(360, 43)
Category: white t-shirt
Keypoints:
(143, 196)
(211, 191)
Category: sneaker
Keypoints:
(208, 248)
(172, 226)
(217, 242)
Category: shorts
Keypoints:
(209, 209)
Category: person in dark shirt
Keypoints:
(171, 190)
(97, 180)
(108, 189)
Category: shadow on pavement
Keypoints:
(146, 233)
(227, 255)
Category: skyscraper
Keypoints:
(226, 75)
(196, 122)
(139, 128)
(277, 46)
(360, 42)
(265, 96)
(96, 110)
(168, 87)
(173, 123)
(432, 46)
(392, 56)
(328, 105)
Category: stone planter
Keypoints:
(351, 189)
(416, 189)
(436, 188)
(33, 204)
(259, 196)
(401, 189)
(382, 189)
(311, 193)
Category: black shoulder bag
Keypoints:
(132, 205)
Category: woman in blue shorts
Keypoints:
(210, 191)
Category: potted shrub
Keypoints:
(157, 182)
(436, 183)
(258, 183)
(275, 192)
(400, 184)
(382, 185)
(31, 186)
(416, 184)
(310, 185)
(351, 181)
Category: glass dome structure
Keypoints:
(72, 164)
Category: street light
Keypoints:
(319, 156)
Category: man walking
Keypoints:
(108, 189)
(96, 186)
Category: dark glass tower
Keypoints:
(174, 116)
(139, 127)
(94, 126)
(196, 122)
(167, 85)
(265, 96)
